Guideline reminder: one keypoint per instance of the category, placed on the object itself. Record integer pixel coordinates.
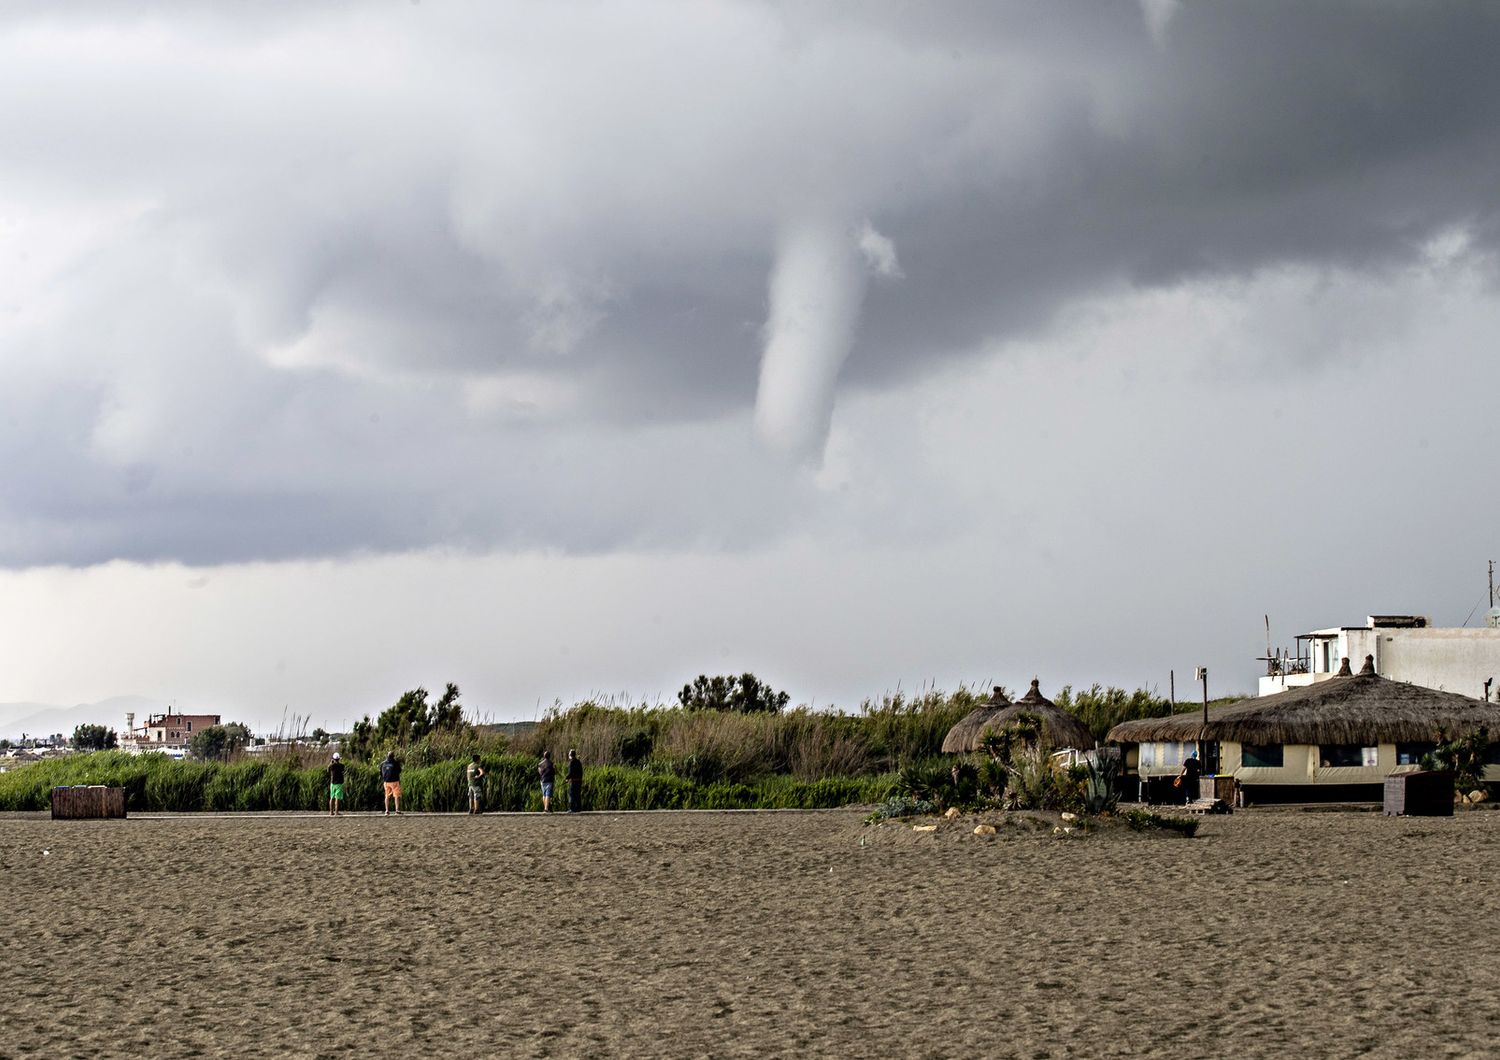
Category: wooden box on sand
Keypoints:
(95, 800)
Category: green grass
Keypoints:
(156, 783)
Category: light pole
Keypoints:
(1202, 675)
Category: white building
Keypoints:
(1405, 648)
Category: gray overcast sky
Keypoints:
(572, 348)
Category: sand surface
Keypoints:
(1270, 934)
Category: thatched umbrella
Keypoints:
(1059, 727)
(1345, 709)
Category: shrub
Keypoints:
(178, 785)
(901, 806)
(1100, 789)
(1146, 821)
(739, 695)
(1464, 757)
(1032, 781)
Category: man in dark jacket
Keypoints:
(390, 775)
(575, 782)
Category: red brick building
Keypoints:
(172, 730)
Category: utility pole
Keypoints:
(1492, 585)
(1203, 736)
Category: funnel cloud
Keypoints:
(817, 288)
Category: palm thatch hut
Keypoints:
(1338, 738)
(1059, 728)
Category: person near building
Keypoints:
(1192, 769)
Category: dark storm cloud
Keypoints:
(338, 279)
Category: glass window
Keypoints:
(1261, 755)
(1335, 755)
(1411, 754)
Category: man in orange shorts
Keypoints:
(390, 774)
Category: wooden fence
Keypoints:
(95, 800)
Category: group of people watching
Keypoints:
(390, 778)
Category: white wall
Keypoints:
(1453, 660)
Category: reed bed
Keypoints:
(156, 783)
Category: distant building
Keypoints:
(1405, 648)
(162, 731)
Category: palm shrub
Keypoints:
(1100, 791)
(1463, 756)
(992, 778)
(928, 781)
(1033, 781)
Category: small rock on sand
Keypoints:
(984, 829)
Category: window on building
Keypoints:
(1336, 755)
(189, 726)
(1262, 755)
(1411, 754)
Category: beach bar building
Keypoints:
(1330, 741)
(1060, 730)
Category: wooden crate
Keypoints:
(1426, 794)
(91, 801)
(1221, 787)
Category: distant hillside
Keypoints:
(42, 719)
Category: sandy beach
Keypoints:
(746, 934)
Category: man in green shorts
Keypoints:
(335, 786)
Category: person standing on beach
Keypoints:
(390, 775)
(1192, 769)
(548, 772)
(575, 782)
(335, 786)
(475, 775)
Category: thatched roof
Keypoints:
(1060, 728)
(1348, 708)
